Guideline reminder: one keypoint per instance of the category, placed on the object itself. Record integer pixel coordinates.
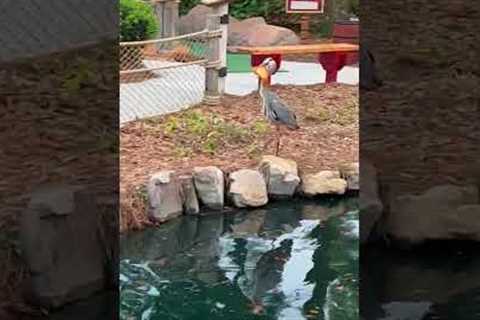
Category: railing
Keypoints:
(166, 75)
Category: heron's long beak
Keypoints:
(262, 72)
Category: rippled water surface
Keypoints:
(438, 282)
(288, 261)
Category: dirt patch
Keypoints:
(235, 135)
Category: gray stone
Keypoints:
(196, 19)
(61, 245)
(252, 22)
(247, 188)
(323, 183)
(281, 176)
(371, 207)
(210, 185)
(441, 213)
(351, 174)
(189, 195)
(164, 196)
(256, 32)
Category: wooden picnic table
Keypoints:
(332, 56)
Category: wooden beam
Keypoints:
(300, 49)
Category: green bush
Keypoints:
(250, 8)
(137, 20)
(354, 7)
(187, 5)
(346, 8)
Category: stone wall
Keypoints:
(209, 189)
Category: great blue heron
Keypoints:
(273, 108)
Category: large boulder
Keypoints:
(196, 19)
(281, 176)
(248, 32)
(252, 22)
(164, 196)
(189, 195)
(323, 183)
(61, 246)
(247, 188)
(210, 186)
(371, 207)
(441, 213)
(256, 32)
(351, 173)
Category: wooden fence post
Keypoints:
(222, 11)
(167, 12)
(171, 18)
(212, 79)
(220, 8)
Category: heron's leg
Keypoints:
(277, 147)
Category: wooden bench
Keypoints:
(332, 56)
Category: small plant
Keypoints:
(137, 21)
(78, 75)
(171, 125)
(182, 152)
(194, 131)
(260, 127)
(254, 150)
(211, 143)
(321, 115)
(141, 193)
(232, 132)
(196, 123)
(347, 114)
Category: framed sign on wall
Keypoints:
(305, 6)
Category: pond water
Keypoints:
(287, 261)
(437, 282)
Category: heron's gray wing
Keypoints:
(280, 110)
(271, 96)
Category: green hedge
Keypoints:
(137, 20)
(187, 5)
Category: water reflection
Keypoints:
(290, 261)
(439, 282)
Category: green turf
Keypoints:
(236, 62)
(240, 63)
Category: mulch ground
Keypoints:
(234, 135)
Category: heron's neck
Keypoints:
(262, 94)
(263, 88)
